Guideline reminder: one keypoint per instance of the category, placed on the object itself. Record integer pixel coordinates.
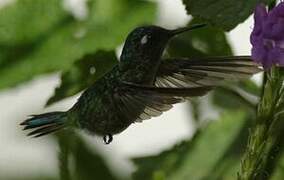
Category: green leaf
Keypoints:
(83, 74)
(9, 55)
(87, 164)
(251, 87)
(229, 164)
(226, 14)
(25, 21)
(90, 165)
(75, 39)
(197, 158)
(243, 95)
(30, 178)
(279, 170)
(206, 41)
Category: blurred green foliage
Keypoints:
(87, 163)
(203, 42)
(196, 158)
(39, 37)
(27, 21)
(84, 73)
(225, 14)
(73, 39)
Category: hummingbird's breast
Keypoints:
(96, 111)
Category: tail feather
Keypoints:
(45, 123)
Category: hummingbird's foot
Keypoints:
(108, 139)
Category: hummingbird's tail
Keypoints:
(45, 123)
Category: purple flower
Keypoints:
(267, 37)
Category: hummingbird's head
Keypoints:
(149, 42)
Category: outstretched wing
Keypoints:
(138, 103)
(183, 72)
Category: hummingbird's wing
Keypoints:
(137, 102)
(184, 72)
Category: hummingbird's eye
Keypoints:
(144, 39)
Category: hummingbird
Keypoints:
(142, 85)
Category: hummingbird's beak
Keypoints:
(181, 30)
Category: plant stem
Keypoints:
(64, 156)
(265, 133)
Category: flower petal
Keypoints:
(260, 13)
(267, 37)
(258, 53)
(279, 10)
(277, 30)
(277, 56)
(260, 16)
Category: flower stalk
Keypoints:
(268, 126)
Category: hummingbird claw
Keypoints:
(108, 138)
